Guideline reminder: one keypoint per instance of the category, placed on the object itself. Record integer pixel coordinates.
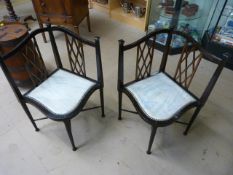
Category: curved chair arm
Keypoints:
(21, 44)
(146, 38)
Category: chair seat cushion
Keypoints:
(159, 97)
(61, 93)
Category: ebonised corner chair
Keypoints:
(62, 94)
(160, 99)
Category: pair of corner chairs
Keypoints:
(160, 99)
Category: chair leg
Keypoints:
(30, 117)
(196, 112)
(68, 129)
(102, 101)
(43, 34)
(88, 23)
(119, 105)
(152, 136)
(76, 29)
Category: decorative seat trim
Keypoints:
(159, 97)
(61, 93)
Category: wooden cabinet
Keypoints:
(115, 11)
(62, 12)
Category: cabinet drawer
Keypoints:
(62, 7)
(56, 19)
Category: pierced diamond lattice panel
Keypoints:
(76, 55)
(34, 63)
(145, 54)
(187, 66)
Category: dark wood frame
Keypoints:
(99, 84)
(200, 102)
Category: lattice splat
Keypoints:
(35, 66)
(76, 55)
(145, 54)
(187, 65)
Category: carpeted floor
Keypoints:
(108, 146)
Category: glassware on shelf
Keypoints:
(182, 17)
(224, 34)
(128, 7)
(218, 38)
(189, 16)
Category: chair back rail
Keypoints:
(187, 65)
(76, 55)
(35, 65)
(145, 55)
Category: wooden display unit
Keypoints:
(115, 11)
(63, 12)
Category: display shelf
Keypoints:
(218, 38)
(128, 18)
(181, 16)
(161, 47)
(181, 20)
(224, 40)
(226, 12)
(115, 11)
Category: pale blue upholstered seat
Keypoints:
(159, 97)
(62, 92)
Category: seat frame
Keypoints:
(66, 119)
(200, 101)
(69, 115)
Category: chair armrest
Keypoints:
(214, 59)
